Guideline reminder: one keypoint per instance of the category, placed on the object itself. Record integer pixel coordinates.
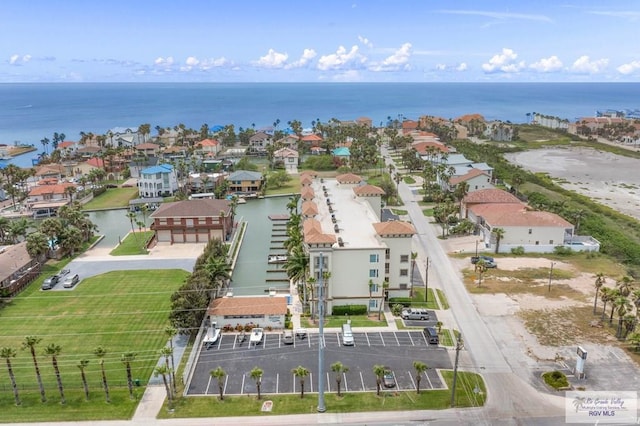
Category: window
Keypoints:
(404, 272)
(373, 273)
(373, 303)
(530, 231)
(550, 241)
(374, 288)
(404, 286)
(404, 258)
(386, 268)
(374, 258)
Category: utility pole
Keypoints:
(426, 282)
(321, 407)
(550, 274)
(459, 346)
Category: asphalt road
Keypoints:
(396, 350)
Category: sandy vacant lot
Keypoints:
(611, 179)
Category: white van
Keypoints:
(347, 334)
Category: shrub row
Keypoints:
(349, 310)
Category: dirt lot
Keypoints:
(610, 179)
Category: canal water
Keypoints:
(114, 225)
(251, 276)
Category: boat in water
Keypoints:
(280, 258)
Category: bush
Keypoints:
(405, 302)
(349, 310)
(562, 250)
(396, 309)
(556, 379)
(518, 251)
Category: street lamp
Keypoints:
(550, 274)
(426, 282)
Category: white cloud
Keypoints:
(192, 61)
(629, 68)
(365, 41)
(550, 64)
(396, 62)
(341, 59)
(441, 67)
(160, 61)
(307, 56)
(584, 65)
(504, 62)
(462, 66)
(500, 15)
(272, 59)
(19, 60)
(632, 15)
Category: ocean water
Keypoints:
(30, 112)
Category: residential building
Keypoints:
(193, 221)
(288, 141)
(158, 181)
(124, 136)
(288, 157)
(487, 196)
(475, 179)
(67, 148)
(259, 311)
(259, 142)
(359, 251)
(208, 147)
(245, 182)
(17, 269)
(147, 149)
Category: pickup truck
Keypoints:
(256, 336)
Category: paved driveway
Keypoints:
(395, 349)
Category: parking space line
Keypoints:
(413, 383)
(411, 338)
(395, 380)
(308, 341)
(382, 338)
(235, 341)
(428, 379)
(344, 379)
(396, 336)
(425, 339)
(226, 380)
(277, 382)
(219, 341)
(310, 382)
(244, 376)
(294, 382)
(367, 336)
(362, 381)
(206, 391)
(338, 339)
(328, 383)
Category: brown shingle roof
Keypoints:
(248, 305)
(469, 175)
(365, 190)
(490, 196)
(512, 215)
(394, 227)
(348, 178)
(193, 208)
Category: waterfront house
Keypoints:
(17, 269)
(487, 196)
(124, 136)
(193, 221)
(67, 148)
(158, 181)
(475, 179)
(288, 157)
(88, 151)
(208, 148)
(245, 182)
(259, 142)
(148, 149)
(288, 141)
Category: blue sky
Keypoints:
(319, 41)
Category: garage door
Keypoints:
(203, 237)
(191, 238)
(178, 238)
(164, 236)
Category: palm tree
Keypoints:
(31, 342)
(166, 352)
(164, 371)
(53, 351)
(292, 205)
(8, 353)
(101, 352)
(37, 245)
(82, 364)
(605, 295)
(339, 368)
(220, 375)
(624, 285)
(480, 268)
(414, 256)
(298, 268)
(379, 371)
(420, 368)
(499, 233)
(127, 358)
(171, 333)
(132, 220)
(622, 306)
(600, 280)
(256, 375)
(300, 372)
(218, 270)
(615, 293)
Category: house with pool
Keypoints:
(345, 237)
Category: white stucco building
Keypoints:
(356, 248)
(158, 181)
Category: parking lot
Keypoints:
(394, 349)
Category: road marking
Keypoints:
(411, 338)
(294, 383)
(277, 382)
(382, 338)
(428, 379)
(367, 336)
(226, 379)
(206, 391)
(338, 339)
(412, 381)
(310, 382)
(328, 383)
(242, 388)
(362, 381)
(235, 340)
(346, 388)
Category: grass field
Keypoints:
(356, 321)
(133, 244)
(122, 311)
(113, 198)
(470, 392)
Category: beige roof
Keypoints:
(469, 175)
(394, 227)
(513, 215)
(12, 258)
(307, 193)
(193, 208)
(248, 305)
(309, 208)
(286, 153)
(313, 233)
(490, 196)
(349, 178)
(306, 180)
(367, 189)
(147, 145)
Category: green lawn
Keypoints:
(470, 392)
(418, 299)
(113, 198)
(356, 321)
(133, 244)
(444, 303)
(291, 187)
(122, 311)
(445, 337)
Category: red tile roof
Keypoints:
(311, 138)
(512, 215)
(66, 144)
(348, 178)
(50, 189)
(394, 227)
(96, 162)
(265, 305)
(421, 147)
(309, 208)
(208, 142)
(366, 190)
(313, 234)
(490, 196)
(469, 175)
(147, 145)
(193, 208)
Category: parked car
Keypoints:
(388, 379)
(71, 281)
(50, 282)
(415, 314)
(475, 259)
(301, 333)
(287, 337)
